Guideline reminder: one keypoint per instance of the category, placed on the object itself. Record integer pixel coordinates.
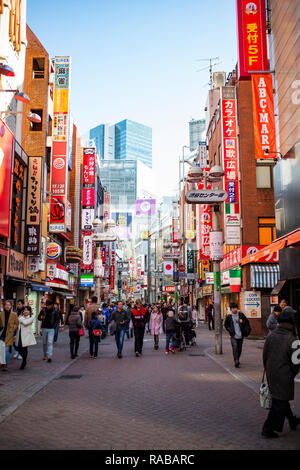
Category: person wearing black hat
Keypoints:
(238, 326)
(49, 317)
(280, 372)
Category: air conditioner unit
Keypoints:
(219, 79)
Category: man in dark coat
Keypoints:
(237, 325)
(210, 316)
(121, 318)
(281, 370)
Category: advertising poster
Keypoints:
(6, 162)
(33, 216)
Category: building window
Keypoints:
(263, 176)
(37, 126)
(38, 68)
(266, 230)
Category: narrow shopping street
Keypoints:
(190, 400)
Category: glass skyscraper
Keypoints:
(197, 133)
(119, 177)
(126, 140)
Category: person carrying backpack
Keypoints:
(238, 326)
(95, 330)
(184, 317)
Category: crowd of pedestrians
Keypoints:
(134, 319)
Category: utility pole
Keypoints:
(217, 286)
(148, 260)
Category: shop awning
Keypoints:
(279, 244)
(278, 287)
(264, 276)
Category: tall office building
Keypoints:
(197, 133)
(126, 140)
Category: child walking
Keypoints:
(170, 332)
(95, 330)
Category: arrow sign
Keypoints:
(256, 304)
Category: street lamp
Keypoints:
(104, 232)
(19, 95)
(215, 175)
(6, 70)
(32, 117)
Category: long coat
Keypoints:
(25, 329)
(277, 358)
(156, 321)
(12, 326)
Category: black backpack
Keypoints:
(246, 328)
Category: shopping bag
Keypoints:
(2, 352)
(81, 332)
(264, 394)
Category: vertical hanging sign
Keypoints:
(252, 37)
(230, 161)
(33, 216)
(61, 141)
(263, 116)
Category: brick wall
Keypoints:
(34, 143)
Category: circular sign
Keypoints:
(53, 251)
(145, 206)
(182, 268)
(58, 163)
(168, 267)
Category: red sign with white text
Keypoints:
(235, 257)
(252, 36)
(88, 170)
(88, 197)
(263, 116)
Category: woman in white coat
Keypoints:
(25, 336)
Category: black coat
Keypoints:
(277, 358)
(230, 327)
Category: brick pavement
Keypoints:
(152, 402)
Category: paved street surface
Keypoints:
(190, 400)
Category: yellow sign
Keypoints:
(145, 235)
(61, 101)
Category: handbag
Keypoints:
(81, 332)
(97, 332)
(264, 394)
(2, 352)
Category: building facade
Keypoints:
(197, 133)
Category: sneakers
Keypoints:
(172, 349)
(16, 355)
(167, 352)
(49, 359)
(20, 357)
(269, 435)
(137, 354)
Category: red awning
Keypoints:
(279, 244)
(64, 235)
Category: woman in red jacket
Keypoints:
(139, 319)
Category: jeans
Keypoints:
(186, 332)
(127, 331)
(94, 344)
(48, 337)
(279, 411)
(138, 339)
(119, 335)
(211, 323)
(56, 333)
(74, 342)
(168, 339)
(237, 345)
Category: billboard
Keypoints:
(230, 157)
(123, 224)
(145, 206)
(33, 214)
(6, 161)
(60, 159)
(252, 36)
(263, 116)
(87, 246)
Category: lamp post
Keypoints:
(104, 232)
(195, 175)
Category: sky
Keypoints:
(140, 60)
